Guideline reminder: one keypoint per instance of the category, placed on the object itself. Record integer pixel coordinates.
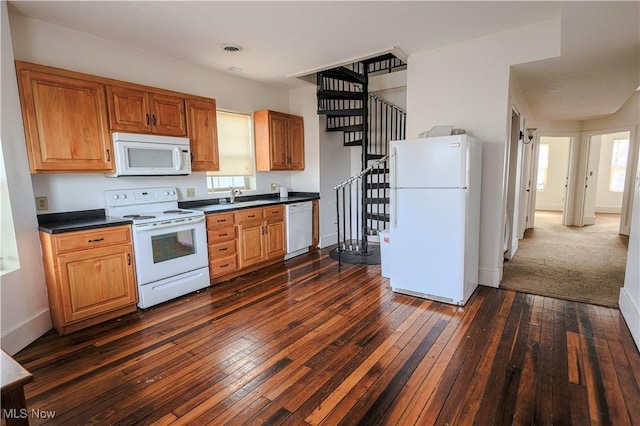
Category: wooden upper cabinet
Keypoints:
(139, 111)
(279, 139)
(65, 122)
(203, 134)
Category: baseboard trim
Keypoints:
(328, 240)
(23, 335)
(489, 277)
(631, 315)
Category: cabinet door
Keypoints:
(278, 136)
(275, 244)
(251, 249)
(203, 134)
(65, 122)
(96, 281)
(129, 109)
(167, 115)
(295, 143)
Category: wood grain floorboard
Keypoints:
(307, 343)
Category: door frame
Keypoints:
(513, 174)
(632, 167)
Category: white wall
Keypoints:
(552, 197)
(335, 167)
(304, 102)
(23, 293)
(47, 44)
(467, 85)
(630, 293)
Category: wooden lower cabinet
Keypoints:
(221, 235)
(90, 276)
(245, 240)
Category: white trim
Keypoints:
(23, 335)
(631, 315)
(489, 277)
(328, 240)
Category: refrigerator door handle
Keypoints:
(394, 189)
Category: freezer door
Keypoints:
(439, 162)
(428, 243)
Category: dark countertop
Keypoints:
(213, 206)
(57, 223)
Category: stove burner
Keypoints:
(176, 211)
(137, 216)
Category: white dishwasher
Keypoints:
(298, 218)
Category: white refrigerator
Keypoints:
(433, 245)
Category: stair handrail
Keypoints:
(362, 173)
(387, 103)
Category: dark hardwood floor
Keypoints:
(304, 343)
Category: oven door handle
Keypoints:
(169, 224)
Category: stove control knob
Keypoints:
(116, 197)
(172, 192)
(124, 196)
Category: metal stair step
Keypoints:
(345, 74)
(377, 200)
(382, 217)
(353, 143)
(342, 112)
(378, 185)
(350, 128)
(339, 94)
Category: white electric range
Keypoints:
(169, 243)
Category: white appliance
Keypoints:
(435, 217)
(150, 155)
(170, 244)
(299, 228)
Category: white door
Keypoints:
(428, 242)
(591, 181)
(429, 162)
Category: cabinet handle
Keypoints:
(96, 240)
(108, 155)
(223, 235)
(154, 119)
(224, 266)
(192, 158)
(147, 119)
(252, 215)
(224, 249)
(221, 220)
(129, 259)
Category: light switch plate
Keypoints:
(191, 192)
(42, 203)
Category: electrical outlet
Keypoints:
(191, 192)
(274, 186)
(42, 203)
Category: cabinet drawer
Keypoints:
(275, 212)
(217, 251)
(221, 234)
(219, 220)
(222, 266)
(83, 240)
(247, 216)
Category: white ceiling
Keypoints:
(597, 72)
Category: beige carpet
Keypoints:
(582, 264)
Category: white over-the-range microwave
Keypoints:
(150, 155)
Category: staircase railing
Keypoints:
(352, 225)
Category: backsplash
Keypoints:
(85, 191)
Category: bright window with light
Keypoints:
(543, 167)
(618, 165)
(235, 152)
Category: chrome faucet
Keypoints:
(234, 192)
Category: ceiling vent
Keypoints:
(231, 47)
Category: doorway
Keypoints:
(575, 182)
